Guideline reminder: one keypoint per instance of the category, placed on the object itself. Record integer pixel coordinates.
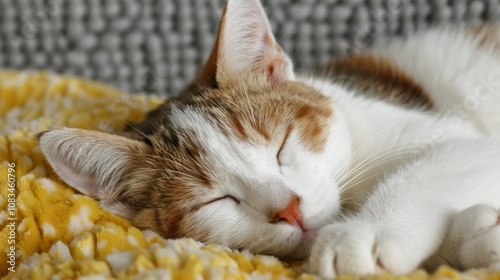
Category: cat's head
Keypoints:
(245, 156)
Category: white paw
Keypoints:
(480, 230)
(343, 249)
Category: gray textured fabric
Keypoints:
(157, 46)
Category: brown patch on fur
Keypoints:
(238, 127)
(488, 34)
(311, 122)
(261, 115)
(380, 78)
(173, 222)
(255, 111)
(163, 183)
(263, 132)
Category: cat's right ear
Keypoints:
(89, 160)
(245, 47)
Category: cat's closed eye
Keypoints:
(279, 154)
(223, 198)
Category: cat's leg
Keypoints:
(388, 238)
(473, 240)
(407, 216)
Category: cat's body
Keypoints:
(252, 156)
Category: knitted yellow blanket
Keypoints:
(49, 230)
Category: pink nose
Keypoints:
(290, 213)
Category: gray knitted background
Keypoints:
(157, 45)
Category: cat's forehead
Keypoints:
(204, 134)
(254, 101)
(251, 113)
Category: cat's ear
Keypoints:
(89, 160)
(245, 46)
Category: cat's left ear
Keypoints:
(245, 46)
(91, 162)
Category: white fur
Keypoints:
(402, 220)
(405, 219)
(383, 134)
(461, 76)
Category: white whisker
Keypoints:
(388, 159)
(365, 146)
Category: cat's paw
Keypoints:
(343, 249)
(479, 227)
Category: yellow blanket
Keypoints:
(47, 229)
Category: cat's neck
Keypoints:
(383, 135)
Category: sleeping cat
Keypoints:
(384, 164)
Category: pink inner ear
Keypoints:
(245, 45)
(83, 184)
(276, 65)
(276, 60)
(277, 70)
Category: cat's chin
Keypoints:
(309, 234)
(299, 252)
(302, 248)
(298, 244)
